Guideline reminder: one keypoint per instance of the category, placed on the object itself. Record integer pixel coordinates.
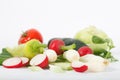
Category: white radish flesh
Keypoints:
(40, 60)
(25, 61)
(51, 54)
(14, 62)
(71, 55)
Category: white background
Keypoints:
(57, 18)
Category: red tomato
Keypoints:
(30, 34)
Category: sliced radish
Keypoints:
(14, 62)
(25, 61)
(40, 60)
(79, 66)
(51, 54)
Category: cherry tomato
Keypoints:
(30, 34)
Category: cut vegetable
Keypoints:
(79, 66)
(14, 62)
(51, 54)
(71, 55)
(56, 69)
(25, 61)
(40, 60)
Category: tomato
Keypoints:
(30, 34)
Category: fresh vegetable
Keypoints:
(56, 69)
(79, 66)
(71, 55)
(97, 40)
(78, 43)
(51, 54)
(14, 62)
(85, 50)
(30, 34)
(70, 41)
(63, 65)
(95, 63)
(40, 60)
(29, 49)
(4, 55)
(25, 61)
(59, 47)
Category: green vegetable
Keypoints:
(4, 55)
(69, 41)
(97, 40)
(63, 65)
(29, 49)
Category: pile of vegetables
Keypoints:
(89, 50)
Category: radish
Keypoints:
(85, 50)
(51, 54)
(71, 55)
(79, 66)
(14, 62)
(25, 61)
(58, 46)
(40, 60)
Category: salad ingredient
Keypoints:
(35, 68)
(79, 66)
(4, 55)
(40, 60)
(29, 49)
(97, 66)
(56, 69)
(30, 34)
(78, 43)
(95, 63)
(51, 54)
(85, 50)
(70, 41)
(59, 47)
(71, 55)
(14, 62)
(25, 61)
(63, 65)
(98, 40)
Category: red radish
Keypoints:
(79, 66)
(14, 62)
(58, 46)
(85, 50)
(40, 60)
(25, 61)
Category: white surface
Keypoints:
(58, 18)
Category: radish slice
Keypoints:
(40, 60)
(25, 61)
(79, 66)
(14, 62)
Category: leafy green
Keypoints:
(4, 55)
(98, 41)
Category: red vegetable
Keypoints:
(85, 50)
(30, 34)
(58, 46)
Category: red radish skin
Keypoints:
(85, 50)
(56, 45)
(14, 62)
(79, 66)
(40, 60)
